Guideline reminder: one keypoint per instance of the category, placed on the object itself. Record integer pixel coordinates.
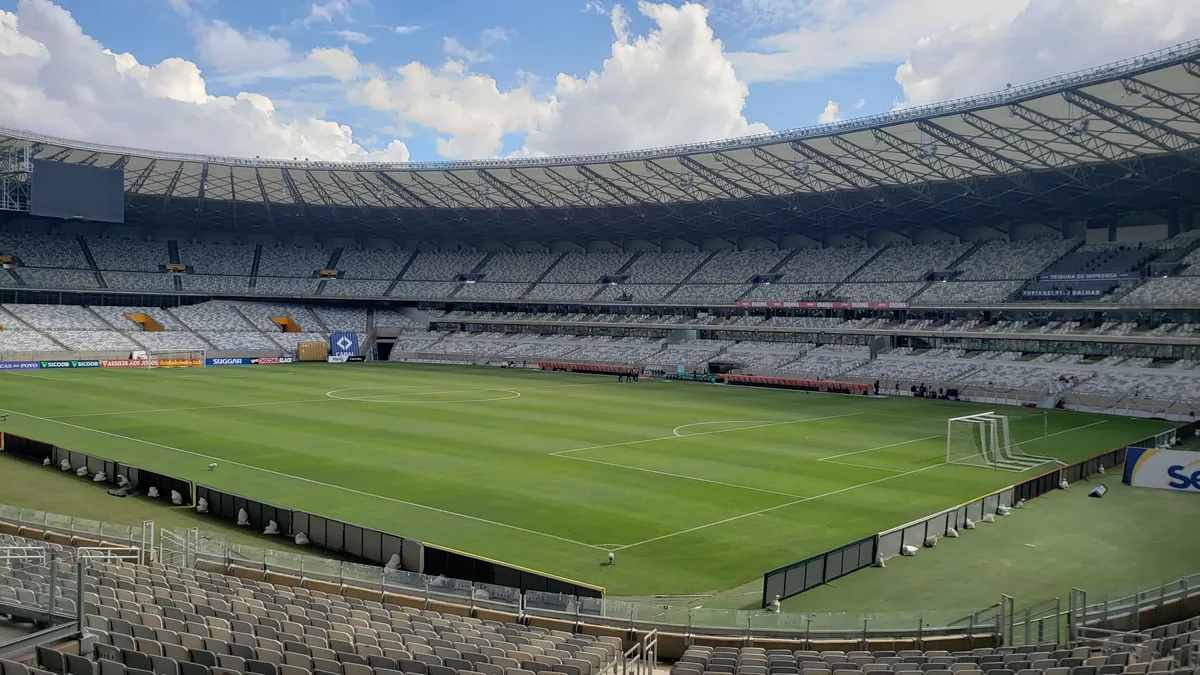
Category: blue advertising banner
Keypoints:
(227, 362)
(343, 344)
(20, 365)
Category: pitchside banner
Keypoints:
(343, 344)
(20, 365)
(1163, 469)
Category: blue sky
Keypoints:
(400, 79)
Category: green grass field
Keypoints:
(698, 488)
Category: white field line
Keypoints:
(40, 377)
(881, 447)
(308, 480)
(564, 453)
(827, 494)
(774, 508)
(679, 475)
(860, 466)
(327, 397)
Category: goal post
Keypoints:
(175, 358)
(985, 440)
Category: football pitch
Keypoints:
(697, 488)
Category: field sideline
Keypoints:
(697, 487)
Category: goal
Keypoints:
(985, 440)
(175, 358)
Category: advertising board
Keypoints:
(1163, 469)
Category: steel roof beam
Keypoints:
(289, 184)
(852, 177)
(1047, 158)
(945, 170)
(687, 184)
(441, 196)
(478, 195)
(998, 164)
(653, 195)
(319, 188)
(582, 193)
(262, 191)
(518, 200)
(623, 196)
(1152, 131)
(233, 200)
(730, 188)
(761, 181)
(1090, 144)
(538, 189)
(1184, 106)
(166, 198)
(401, 191)
(120, 162)
(60, 155)
(90, 159)
(140, 181)
(201, 192)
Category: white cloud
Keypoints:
(595, 7)
(405, 30)
(479, 54)
(242, 58)
(326, 12)
(859, 105)
(673, 85)
(821, 37)
(831, 113)
(1045, 38)
(59, 81)
(355, 37)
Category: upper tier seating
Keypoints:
(1012, 259)
(338, 319)
(357, 288)
(215, 284)
(213, 258)
(291, 261)
(811, 265)
(549, 291)
(140, 281)
(664, 268)
(523, 267)
(1169, 290)
(212, 316)
(581, 268)
(61, 317)
(964, 292)
(442, 266)
(708, 293)
(360, 263)
(910, 263)
(635, 292)
(492, 291)
(786, 292)
(43, 250)
(117, 317)
(53, 278)
(737, 266)
(879, 292)
(285, 286)
(424, 289)
(128, 255)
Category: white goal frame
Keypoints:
(154, 356)
(985, 440)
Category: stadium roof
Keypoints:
(1119, 138)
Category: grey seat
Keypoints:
(189, 668)
(78, 665)
(52, 660)
(107, 667)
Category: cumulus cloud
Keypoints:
(831, 113)
(355, 36)
(478, 54)
(1045, 38)
(816, 38)
(59, 81)
(325, 12)
(242, 58)
(405, 30)
(673, 85)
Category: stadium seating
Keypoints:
(363, 263)
(815, 265)
(138, 281)
(966, 292)
(486, 290)
(356, 288)
(424, 289)
(703, 294)
(43, 250)
(737, 266)
(787, 292)
(212, 258)
(586, 268)
(428, 266)
(215, 284)
(291, 261)
(37, 277)
(212, 316)
(285, 286)
(1007, 260)
(911, 263)
(128, 255)
(520, 267)
(556, 291)
(664, 268)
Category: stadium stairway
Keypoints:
(833, 291)
(178, 322)
(254, 267)
(707, 258)
(952, 266)
(545, 272)
(316, 319)
(774, 270)
(87, 253)
(620, 272)
(12, 272)
(403, 270)
(237, 310)
(126, 333)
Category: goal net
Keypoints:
(175, 358)
(986, 440)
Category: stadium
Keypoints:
(846, 398)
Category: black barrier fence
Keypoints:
(806, 574)
(363, 542)
(227, 506)
(445, 562)
(144, 480)
(794, 579)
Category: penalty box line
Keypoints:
(309, 480)
(566, 454)
(827, 494)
